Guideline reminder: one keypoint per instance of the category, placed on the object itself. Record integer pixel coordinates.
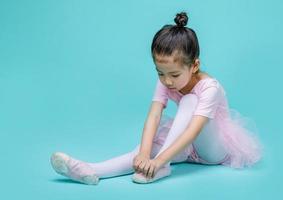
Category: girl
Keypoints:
(203, 130)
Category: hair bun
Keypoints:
(181, 19)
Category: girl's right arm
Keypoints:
(150, 127)
(149, 131)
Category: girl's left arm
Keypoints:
(186, 138)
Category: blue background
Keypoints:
(77, 77)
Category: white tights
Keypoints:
(206, 143)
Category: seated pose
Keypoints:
(203, 131)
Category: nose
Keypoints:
(168, 82)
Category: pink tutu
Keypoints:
(239, 135)
(241, 144)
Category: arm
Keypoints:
(186, 138)
(159, 102)
(150, 127)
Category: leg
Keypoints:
(122, 165)
(117, 166)
(183, 116)
(89, 173)
(208, 147)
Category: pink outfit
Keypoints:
(240, 145)
(223, 140)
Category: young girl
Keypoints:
(203, 130)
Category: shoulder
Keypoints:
(209, 87)
(207, 83)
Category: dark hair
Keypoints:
(176, 40)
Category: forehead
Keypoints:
(167, 64)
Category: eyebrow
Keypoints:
(168, 72)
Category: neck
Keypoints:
(190, 85)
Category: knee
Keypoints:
(189, 99)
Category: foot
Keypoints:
(162, 173)
(74, 169)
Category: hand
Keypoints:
(151, 168)
(140, 161)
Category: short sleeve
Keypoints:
(160, 93)
(208, 102)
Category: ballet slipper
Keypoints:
(74, 169)
(162, 173)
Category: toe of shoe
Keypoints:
(137, 178)
(90, 179)
(58, 161)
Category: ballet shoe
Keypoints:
(64, 165)
(162, 173)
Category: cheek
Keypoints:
(183, 81)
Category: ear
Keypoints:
(196, 65)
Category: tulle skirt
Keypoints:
(237, 133)
(240, 138)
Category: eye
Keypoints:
(160, 74)
(175, 75)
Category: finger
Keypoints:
(135, 168)
(136, 165)
(150, 172)
(146, 169)
(135, 160)
(153, 172)
(140, 167)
